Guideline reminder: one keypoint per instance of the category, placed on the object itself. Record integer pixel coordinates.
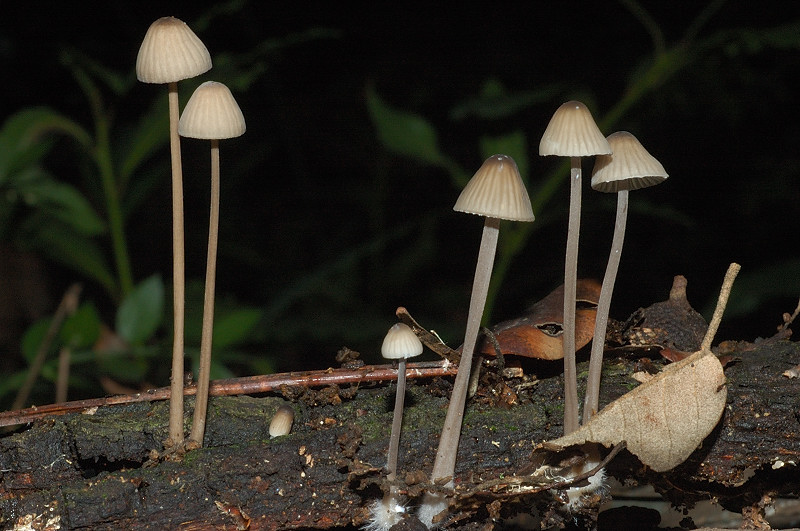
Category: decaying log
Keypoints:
(99, 470)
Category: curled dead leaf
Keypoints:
(663, 420)
(538, 334)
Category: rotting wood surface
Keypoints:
(94, 471)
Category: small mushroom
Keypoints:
(399, 344)
(496, 191)
(171, 52)
(630, 167)
(210, 114)
(281, 422)
(572, 133)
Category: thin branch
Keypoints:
(68, 304)
(239, 386)
(722, 301)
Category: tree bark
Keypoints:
(98, 471)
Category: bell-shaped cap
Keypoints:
(281, 423)
(211, 114)
(401, 343)
(496, 191)
(630, 167)
(573, 133)
(171, 52)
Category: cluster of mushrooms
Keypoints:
(171, 52)
(497, 192)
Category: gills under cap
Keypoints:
(572, 132)
(212, 114)
(630, 167)
(171, 52)
(496, 191)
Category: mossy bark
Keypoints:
(96, 470)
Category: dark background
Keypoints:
(312, 202)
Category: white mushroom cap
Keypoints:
(496, 191)
(572, 132)
(171, 52)
(282, 421)
(401, 343)
(212, 114)
(630, 167)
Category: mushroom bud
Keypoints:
(281, 422)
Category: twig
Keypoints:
(722, 301)
(430, 340)
(239, 386)
(68, 304)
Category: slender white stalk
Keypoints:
(201, 398)
(571, 421)
(178, 276)
(397, 421)
(445, 464)
(592, 402)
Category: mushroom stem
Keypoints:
(201, 399)
(571, 421)
(178, 280)
(397, 420)
(592, 402)
(445, 463)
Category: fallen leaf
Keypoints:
(538, 334)
(663, 420)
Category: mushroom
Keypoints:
(171, 52)
(281, 423)
(211, 114)
(399, 344)
(630, 167)
(572, 133)
(496, 191)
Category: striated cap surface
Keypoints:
(171, 52)
(630, 167)
(212, 113)
(400, 343)
(496, 191)
(572, 132)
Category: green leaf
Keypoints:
(495, 102)
(235, 327)
(33, 337)
(123, 367)
(150, 134)
(81, 329)
(140, 314)
(23, 137)
(62, 201)
(67, 247)
(404, 133)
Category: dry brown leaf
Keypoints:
(663, 420)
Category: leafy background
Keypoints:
(364, 120)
